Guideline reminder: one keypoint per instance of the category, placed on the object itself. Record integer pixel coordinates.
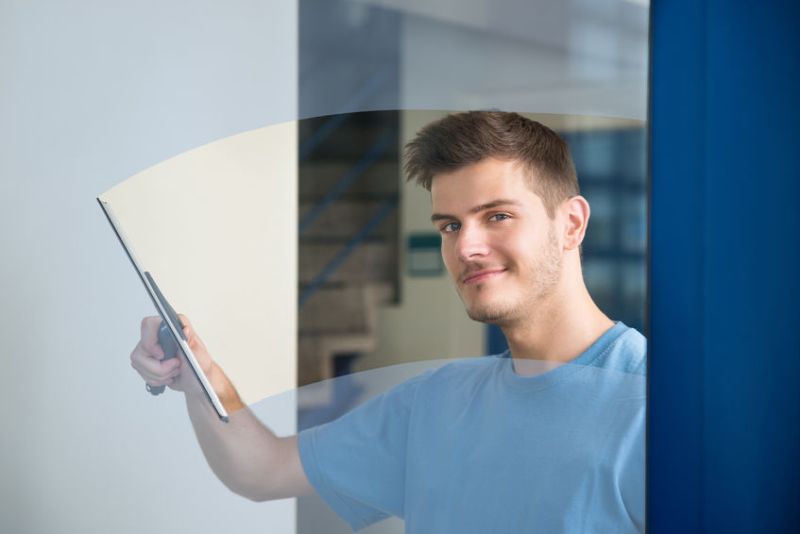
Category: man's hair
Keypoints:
(462, 139)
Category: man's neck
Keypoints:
(560, 330)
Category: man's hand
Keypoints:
(148, 360)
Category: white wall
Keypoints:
(576, 57)
(91, 93)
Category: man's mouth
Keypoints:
(480, 276)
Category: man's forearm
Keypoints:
(244, 454)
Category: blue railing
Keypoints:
(347, 179)
(385, 209)
(333, 123)
(343, 184)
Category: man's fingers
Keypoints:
(149, 341)
(159, 380)
(192, 339)
(148, 356)
(148, 360)
(169, 370)
(166, 382)
(184, 321)
(188, 329)
(150, 367)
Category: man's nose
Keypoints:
(471, 244)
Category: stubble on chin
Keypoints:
(487, 313)
(488, 316)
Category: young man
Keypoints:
(547, 437)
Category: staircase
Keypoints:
(349, 246)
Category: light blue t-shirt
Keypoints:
(475, 447)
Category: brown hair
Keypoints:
(462, 139)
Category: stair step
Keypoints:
(352, 136)
(315, 353)
(317, 178)
(368, 262)
(335, 310)
(336, 321)
(343, 310)
(344, 219)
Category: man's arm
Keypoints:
(244, 454)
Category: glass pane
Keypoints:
(371, 317)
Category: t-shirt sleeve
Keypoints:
(357, 463)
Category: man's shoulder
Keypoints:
(627, 353)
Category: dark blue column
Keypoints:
(724, 401)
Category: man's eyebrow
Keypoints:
(477, 209)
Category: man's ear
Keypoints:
(576, 210)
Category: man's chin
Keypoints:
(484, 314)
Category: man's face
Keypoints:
(499, 245)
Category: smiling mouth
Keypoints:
(481, 276)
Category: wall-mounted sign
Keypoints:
(424, 255)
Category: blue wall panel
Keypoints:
(724, 413)
(677, 234)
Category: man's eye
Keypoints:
(499, 217)
(451, 227)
